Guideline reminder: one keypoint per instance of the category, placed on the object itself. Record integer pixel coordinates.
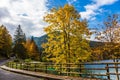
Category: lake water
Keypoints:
(112, 70)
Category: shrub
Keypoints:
(27, 60)
(16, 60)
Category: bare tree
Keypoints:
(110, 36)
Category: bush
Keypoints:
(16, 60)
(27, 60)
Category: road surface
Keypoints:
(6, 75)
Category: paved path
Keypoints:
(6, 75)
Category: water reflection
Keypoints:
(111, 70)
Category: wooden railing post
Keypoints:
(116, 68)
(20, 65)
(46, 67)
(12, 65)
(35, 66)
(68, 69)
(108, 72)
(60, 68)
(9, 64)
(16, 65)
(26, 66)
(80, 65)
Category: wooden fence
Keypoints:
(98, 70)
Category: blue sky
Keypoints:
(29, 13)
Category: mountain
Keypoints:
(43, 39)
(93, 44)
(40, 40)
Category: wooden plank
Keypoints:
(114, 73)
(84, 68)
(84, 73)
(114, 67)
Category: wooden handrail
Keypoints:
(76, 69)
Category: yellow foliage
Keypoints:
(32, 49)
(5, 41)
(66, 36)
(110, 36)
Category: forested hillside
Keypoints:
(40, 40)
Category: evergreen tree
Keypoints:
(19, 41)
(20, 51)
(19, 36)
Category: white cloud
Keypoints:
(28, 13)
(104, 2)
(94, 8)
(71, 1)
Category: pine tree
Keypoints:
(19, 36)
(19, 41)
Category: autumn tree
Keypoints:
(5, 42)
(96, 48)
(32, 49)
(110, 36)
(19, 41)
(67, 35)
